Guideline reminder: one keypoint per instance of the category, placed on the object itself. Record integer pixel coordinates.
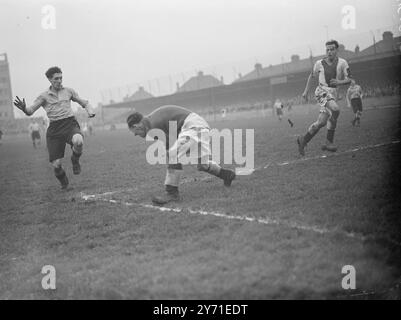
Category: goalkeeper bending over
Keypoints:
(192, 131)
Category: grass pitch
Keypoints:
(104, 249)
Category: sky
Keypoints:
(103, 45)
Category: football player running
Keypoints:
(331, 72)
(64, 127)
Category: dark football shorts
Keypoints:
(279, 111)
(59, 133)
(35, 135)
(356, 104)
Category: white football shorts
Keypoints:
(193, 142)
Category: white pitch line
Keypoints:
(97, 195)
(207, 213)
(265, 221)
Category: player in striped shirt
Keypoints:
(331, 72)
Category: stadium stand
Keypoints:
(375, 68)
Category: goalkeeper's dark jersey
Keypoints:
(159, 118)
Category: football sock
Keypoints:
(77, 150)
(330, 135)
(308, 137)
(210, 167)
(223, 173)
(75, 156)
(172, 177)
(59, 173)
(214, 168)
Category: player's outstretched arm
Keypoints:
(83, 103)
(21, 104)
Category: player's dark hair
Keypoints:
(330, 42)
(49, 73)
(134, 118)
